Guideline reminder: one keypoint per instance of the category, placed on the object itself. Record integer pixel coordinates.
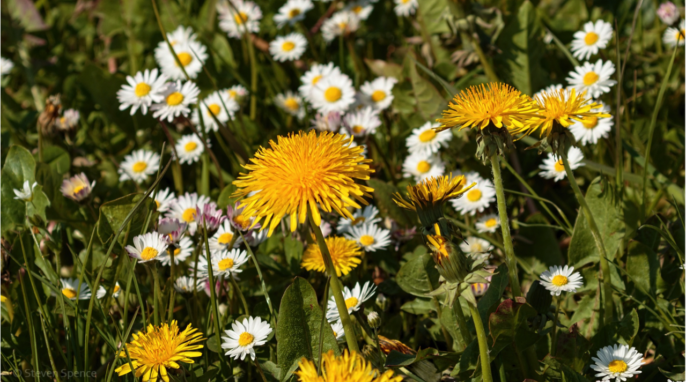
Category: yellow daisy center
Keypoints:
(358, 220)
(177, 251)
(357, 9)
(185, 58)
(174, 99)
(591, 38)
(357, 129)
(233, 93)
(245, 339)
(142, 89)
(474, 195)
(590, 122)
(213, 109)
(342, 26)
(240, 18)
(149, 253)
(293, 13)
(378, 95)
(333, 94)
(405, 1)
(423, 166)
(367, 240)
(157, 203)
(559, 280)
(427, 136)
(116, 288)
(351, 302)
(617, 366)
(139, 166)
(225, 238)
(288, 46)
(316, 79)
(559, 166)
(225, 264)
(190, 146)
(476, 247)
(680, 35)
(188, 215)
(291, 104)
(490, 223)
(69, 293)
(242, 221)
(78, 189)
(590, 78)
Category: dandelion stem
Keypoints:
(483, 345)
(604, 265)
(335, 286)
(510, 258)
(462, 322)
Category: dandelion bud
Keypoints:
(374, 320)
(451, 263)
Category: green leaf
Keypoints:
(113, 214)
(542, 245)
(293, 249)
(57, 158)
(39, 203)
(494, 293)
(433, 13)
(384, 68)
(19, 167)
(419, 306)
(643, 266)
(582, 248)
(383, 195)
(508, 319)
(429, 101)
(25, 11)
(628, 327)
(522, 48)
(300, 318)
(224, 200)
(558, 370)
(418, 276)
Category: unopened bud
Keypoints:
(374, 320)
(382, 302)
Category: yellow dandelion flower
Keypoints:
(561, 107)
(345, 255)
(346, 367)
(159, 348)
(494, 104)
(301, 170)
(433, 191)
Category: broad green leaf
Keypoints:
(542, 245)
(383, 195)
(293, 248)
(582, 249)
(19, 167)
(628, 327)
(508, 318)
(297, 334)
(494, 293)
(430, 103)
(224, 200)
(57, 158)
(418, 276)
(557, 370)
(433, 14)
(39, 203)
(419, 306)
(113, 214)
(643, 266)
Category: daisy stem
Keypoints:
(213, 297)
(604, 264)
(253, 77)
(464, 330)
(553, 341)
(240, 295)
(259, 370)
(156, 294)
(510, 258)
(259, 273)
(335, 286)
(483, 345)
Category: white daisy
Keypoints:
(164, 199)
(222, 238)
(115, 291)
(181, 35)
(138, 165)
(5, 66)
(474, 245)
(185, 209)
(369, 236)
(313, 76)
(148, 247)
(334, 92)
(592, 128)
(553, 168)
(421, 166)
(288, 48)
(292, 12)
(378, 92)
(176, 100)
(184, 284)
(368, 214)
(237, 93)
(68, 120)
(362, 122)
(217, 104)
(189, 148)
(71, 289)
(425, 140)
(593, 37)
(330, 121)
(594, 79)
(191, 55)
(224, 263)
(172, 229)
(488, 223)
(291, 103)
(618, 362)
(668, 13)
(338, 330)
(244, 336)
(360, 8)
(77, 187)
(674, 36)
(26, 192)
(405, 8)
(141, 91)
(559, 279)
(182, 250)
(353, 300)
(340, 23)
(477, 198)
(256, 237)
(236, 23)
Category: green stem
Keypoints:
(322, 324)
(213, 297)
(462, 322)
(240, 295)
(205, 175)
(488, 69)
(335, 286)
(259, 273)
(483, 345)
(253, 78)
(604, 265)
(446, 335)
(156, 295)
(259, 370)
(553, 341)
(510, 258)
